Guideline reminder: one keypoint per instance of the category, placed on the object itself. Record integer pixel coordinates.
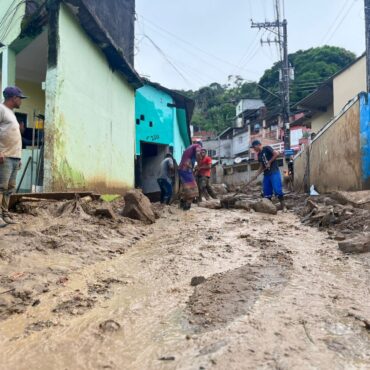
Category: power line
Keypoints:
(192, 45)
(342, 15)
(8, 19)
(341, 21)
(247, 52)
(199, 57)
(167, 59)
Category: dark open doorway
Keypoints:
(148, 166)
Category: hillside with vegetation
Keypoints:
(215, 104)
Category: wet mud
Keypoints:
(81, 291)
(226, 296)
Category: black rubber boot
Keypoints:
(283, 206)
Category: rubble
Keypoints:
(243, 204)
(264, 205)
(358, 199)
(105, 211)
(220, 189)
(138, 207)
(197, 280)
(344, 214)
(211, 204)
(358, 244)
(243, 201)
(322, 212)
(230, 200)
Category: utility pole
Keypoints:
(367, 37)
(280, 29)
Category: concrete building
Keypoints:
(74, 59)
(162, 119)
(338, 158)
(220, 148)
(330, 98)
(241, 143)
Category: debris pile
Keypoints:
(345, 215)
(243, 201)
(138, 207)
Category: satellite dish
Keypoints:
(238, 160)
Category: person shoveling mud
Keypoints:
(272, 185)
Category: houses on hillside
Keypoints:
(231, 148)
(252, 122)
(74, 59)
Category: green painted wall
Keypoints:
(89, 130)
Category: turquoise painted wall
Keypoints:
(158, 123)
(90, 137)
(153, 117)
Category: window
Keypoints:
(240, 139)
(212, 153)
(150, 124)
(137, 121)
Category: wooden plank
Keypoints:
(16, 198)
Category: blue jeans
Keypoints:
(8, 176)
(272, 185)
(166, 190)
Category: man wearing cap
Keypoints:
(10, 149)
(271, 175)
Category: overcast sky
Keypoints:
(189, 44)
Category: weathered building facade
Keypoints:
(162, 120)
(77, 70)
(330, 98)
(338, 158)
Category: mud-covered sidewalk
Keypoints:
(83, 292)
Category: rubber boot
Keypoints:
(283, 206)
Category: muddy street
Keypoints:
(204, 289)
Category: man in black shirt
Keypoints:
(271, 175)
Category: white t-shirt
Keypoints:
(10, 134)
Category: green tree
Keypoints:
(215, 104)
(311, 68)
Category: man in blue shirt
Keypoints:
(272, 183)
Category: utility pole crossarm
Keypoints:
(266, 24)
